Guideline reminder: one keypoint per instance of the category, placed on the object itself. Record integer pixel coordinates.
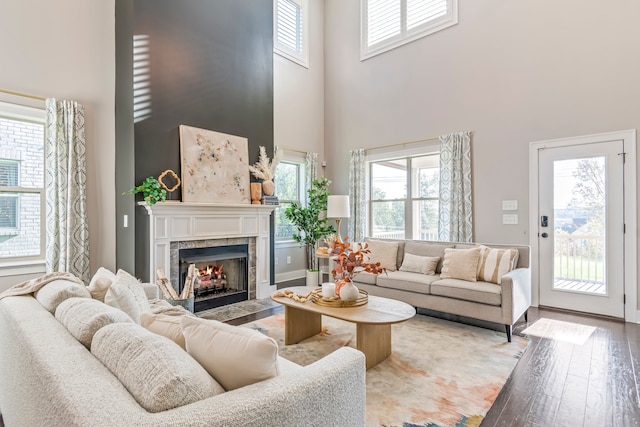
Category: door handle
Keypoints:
(544, 235)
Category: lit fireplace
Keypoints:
(222, 274)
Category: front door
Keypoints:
(581, 227)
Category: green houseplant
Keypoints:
(151, 190)
(310, 222)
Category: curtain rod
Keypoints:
(403, 143)
(24, 95)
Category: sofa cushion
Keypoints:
(364, 277)
(83, 317)
(233, 355)
(158, 374)
(420, 264)
(165, 325)
(482, 292)
(100, 283)
(495, 263)
(127, 294)
(55, 292)
(406, 281)
(386, 253)
(428, 249)
(461, 264)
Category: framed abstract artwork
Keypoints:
(215, 166)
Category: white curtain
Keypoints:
(66, 192)
(455, 213)
(357, 195)
(311, 171)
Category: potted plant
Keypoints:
(310, 222)
(151, 190)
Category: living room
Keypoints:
(512, 74)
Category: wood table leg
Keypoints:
(300, 325)
(374, 341)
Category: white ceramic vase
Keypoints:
(268, 187)
(349, 291)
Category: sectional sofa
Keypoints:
(105, 370)
(475, 283)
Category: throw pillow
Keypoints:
(55, 292)
(127, 294)
(385, 253)
(461, 264)
(100, 283)
(165, 325)
(495, 263)
(420, 264)
(155, 371)
(83, 317)
(233, 355)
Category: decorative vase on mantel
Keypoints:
(268, 187)
(346, 290)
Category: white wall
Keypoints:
(298, 98)
(511, 72)
(66, 49)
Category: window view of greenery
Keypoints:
(287, 180)
(393, 214)
(579, 220)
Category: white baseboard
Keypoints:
(291, 275)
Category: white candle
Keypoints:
(328, 290)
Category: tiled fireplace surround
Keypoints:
(177, 225)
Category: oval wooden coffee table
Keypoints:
(373, 322)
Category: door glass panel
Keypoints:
(579, 225)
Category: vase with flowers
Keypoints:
(351, 260)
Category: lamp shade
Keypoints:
(338, 207)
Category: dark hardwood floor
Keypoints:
(557, 383)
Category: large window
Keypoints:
(403, 198)
(387, 24)
(21, 183)
(289, 180)
(291, 30)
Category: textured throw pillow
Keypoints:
(158, 374)
(55, 292)
(420, 264)
(165, 325)
(127, 294)
(461, 264)
(233, 355)
(83, 317)
(100, 282)
(495, 263)
(385, 253)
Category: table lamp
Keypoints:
(338, 208)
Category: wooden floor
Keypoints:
(561, 384)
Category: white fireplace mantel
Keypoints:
(177, 221)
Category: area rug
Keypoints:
(574, 333)
(440, 373)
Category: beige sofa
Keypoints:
(501, 303)
(48, 378)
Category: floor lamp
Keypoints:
(338, 208)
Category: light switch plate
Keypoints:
(510, 219)
(509, 205)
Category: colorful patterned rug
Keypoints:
(440, 373)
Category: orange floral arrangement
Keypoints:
(350, 262)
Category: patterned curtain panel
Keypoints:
(357, 196)
(66, 170)
(455, 215)
(311, 170)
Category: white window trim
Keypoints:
(405, 36)
(300, 159)
(301, 58)
(27, 264)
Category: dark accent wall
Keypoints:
(210, 66)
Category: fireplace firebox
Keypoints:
(222, 274)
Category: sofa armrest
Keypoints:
(516, 294)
